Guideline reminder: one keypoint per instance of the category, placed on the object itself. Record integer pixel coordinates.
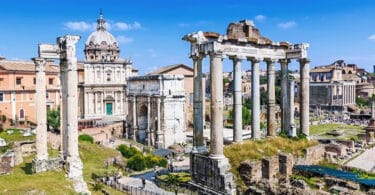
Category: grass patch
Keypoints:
(255, 150)
(311, 182)
(21, 181)
(17, 135)
(324, 128)
(326, 163)
(181, 177)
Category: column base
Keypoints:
(46, 164)
(73, 167)
(211, 175)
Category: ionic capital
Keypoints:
(270, 61)
(217, 54)
(197, 57)
(40, 64)
(304, 60)
(284, 61)
(254, 60)
(236, 58)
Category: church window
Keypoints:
(1, 97)
(22, 113)
(50, 81)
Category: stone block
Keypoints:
(348, 143)
(313, 155)
(250, 171)
(286, 163)
(270, 167)
(340, 150)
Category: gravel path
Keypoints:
(364, 161)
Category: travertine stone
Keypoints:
(271, 115)
(41, 109)
(292, 127)
(237, 100)
(255, 94)
(304, 95)
(217, 142)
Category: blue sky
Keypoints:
(150, 32)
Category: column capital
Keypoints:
(270, 60)
(217, 54)
(40, 64)
(197, 57)
(284, 61)
(304, 60)
(237, 58)
(254, 60)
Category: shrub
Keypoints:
(86, 138)
(152, 160)
(1, 127)
(137, 162)
(127, 151)
(3, 118)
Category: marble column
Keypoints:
(292, 126)
(237, 100)
(271, 119)
(284, 95)
(198, 118)
(216, 70)
(40, 109)
(158, 129)
(255, 94)
(68, 65)
(134, 118)
(149, 135)
(304, 95)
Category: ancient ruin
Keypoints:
(242, 42)
(65, 51)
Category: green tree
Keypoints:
(246, 116)
(362, 102)
(53, 119)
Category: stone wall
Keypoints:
(286, 163)
(23, 149)
(312, 155)
(348, 143)
(250, 171)
(6, 163)
(270, 167)
(340, 150)
(105, 133)
(54, 140)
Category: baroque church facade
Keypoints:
(103, 91)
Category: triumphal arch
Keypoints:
(242, 42)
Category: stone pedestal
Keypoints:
(210, 175)
(48, 164)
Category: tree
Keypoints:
(53, 119)
(246, 116)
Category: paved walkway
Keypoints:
(365, 161)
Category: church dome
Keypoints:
(101, 36)
(101, 46)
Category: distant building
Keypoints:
(188, 75)
(332, 87)
(102, 92)
(17, 89)
(156, 110)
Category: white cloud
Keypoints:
(372, 37)
(80, 26)
(123, 39)
(127, 26)
(260, 18)
(286, 25)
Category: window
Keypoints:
(22, 113)
(1, 97)
(50, 81)
(47, 95)
(18, 80)
(34, 81)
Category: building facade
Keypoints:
(17, 89)
(188, 75)
(333, 86)
(156, 110)
(102, 93)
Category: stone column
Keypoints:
(198, 118)
(148, 122)
(68, 65)
(271, 119)
(134, 118)
(304, 95)
(40, 109)
(292, 126)
(237, 100)
(255, 94)
(216, 70)
(284, 95)
(158, 129)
